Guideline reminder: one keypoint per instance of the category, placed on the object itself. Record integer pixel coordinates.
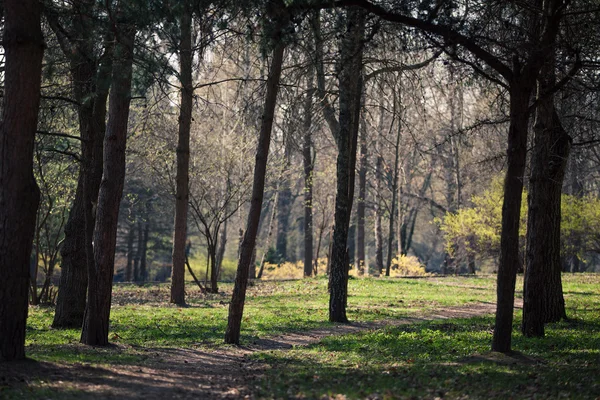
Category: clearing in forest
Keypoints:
(411, 338)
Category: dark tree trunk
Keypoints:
(284, 208)
(143, 258)
(214, 272)
(137, 272)
(19, 194)
(129, 265)
(70, 302)
(97, 313)
(544, 27)
(543, 299)
(91, 83)
(511, 213)
(378, 215)
(236, 307)
(183, 159)
(361, 203)
(394, 188)
(308, 179)
(350, 84)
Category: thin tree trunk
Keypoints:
(361, 204)
(394, 189)
(143, 258)
(511, 213)
(183, 159)
(284, 208)
(97, 313)
(263, 259)
(378, 195)
(137, 271)
(350, 84)
(222, 247)
(236, 307)
(308, 179)
(129, 265)
(19, 194)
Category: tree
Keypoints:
(539, 31)
(78, 35)
(19, 195)
(182, 195)
(279, 16)
(350, 87)
(97, 312)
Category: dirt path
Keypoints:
(176, 373)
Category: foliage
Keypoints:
(284, 270)
(404, 265)
(478, 227)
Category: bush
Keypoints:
(407, 266)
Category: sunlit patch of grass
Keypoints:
(451, 358)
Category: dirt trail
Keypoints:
(177, 373)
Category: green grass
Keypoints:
(432, 359)
(143, 316)
(449, 359)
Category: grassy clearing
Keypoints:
(142, 316)
(449, 358)
(430, 359)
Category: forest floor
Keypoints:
(176, 373)
(265, 365)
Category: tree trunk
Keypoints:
(361, 204)
(511, 213)
(397, 108)
(183, 159)
(543, 299)
(91, 82)
(137, 273)
(222, 247)
(308, 179)
(19, 194)
(236, 307)
(544, 27)
(70, 303)
(284, 208)
(378, 201)
(129, 265)
(97, 313)
(263, 260)
(350, 84)
(143, 258)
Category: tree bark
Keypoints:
(378, 201)
(19, 194)
(361, 203)
(350, 87)
(129, 265)
(308, 179)
(284, 207)
(511, 213)
(543, 27)
(182, 194)
(143, 258)
(97, 313)
(276, 9)
(543, 299)
(91, 82)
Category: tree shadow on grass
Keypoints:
(164, 373)
(435, 359)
